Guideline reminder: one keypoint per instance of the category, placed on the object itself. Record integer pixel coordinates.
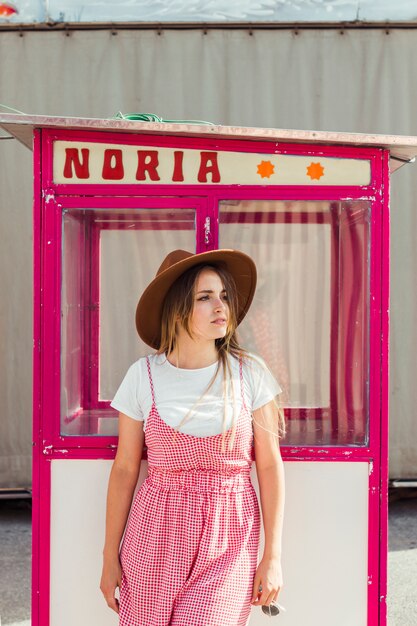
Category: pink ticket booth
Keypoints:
(111, 198)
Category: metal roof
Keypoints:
(403, 148)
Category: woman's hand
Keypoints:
(269, 577)
(111, 578)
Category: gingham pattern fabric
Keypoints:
(190, 549)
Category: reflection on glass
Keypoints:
(310, 316)
(108, 258)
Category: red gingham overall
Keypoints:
(190, 549)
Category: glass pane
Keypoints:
(310, 316)
(109, 256)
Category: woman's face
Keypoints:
(210, 315)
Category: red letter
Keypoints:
(113, 170)
(178, 175)
(72, 158)
(213, 168)
(147, 166)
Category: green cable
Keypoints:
(151, 117)
(135, 117)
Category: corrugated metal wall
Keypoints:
(361, 80)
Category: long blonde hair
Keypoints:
(178, 308)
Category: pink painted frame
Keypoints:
(382, 478)
(47, 238)
(40, 484)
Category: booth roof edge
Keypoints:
(403, 148)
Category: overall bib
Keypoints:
(190, 549)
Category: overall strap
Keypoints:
(242, 384)
(148, 364)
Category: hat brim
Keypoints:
(149, 308)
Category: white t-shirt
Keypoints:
(177, 390)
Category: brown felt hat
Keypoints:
(149, 309)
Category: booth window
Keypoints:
(310, 316)
(108, 258)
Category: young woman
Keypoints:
(206, 409)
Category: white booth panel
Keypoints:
(325, 544)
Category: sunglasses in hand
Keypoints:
(272, 609)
